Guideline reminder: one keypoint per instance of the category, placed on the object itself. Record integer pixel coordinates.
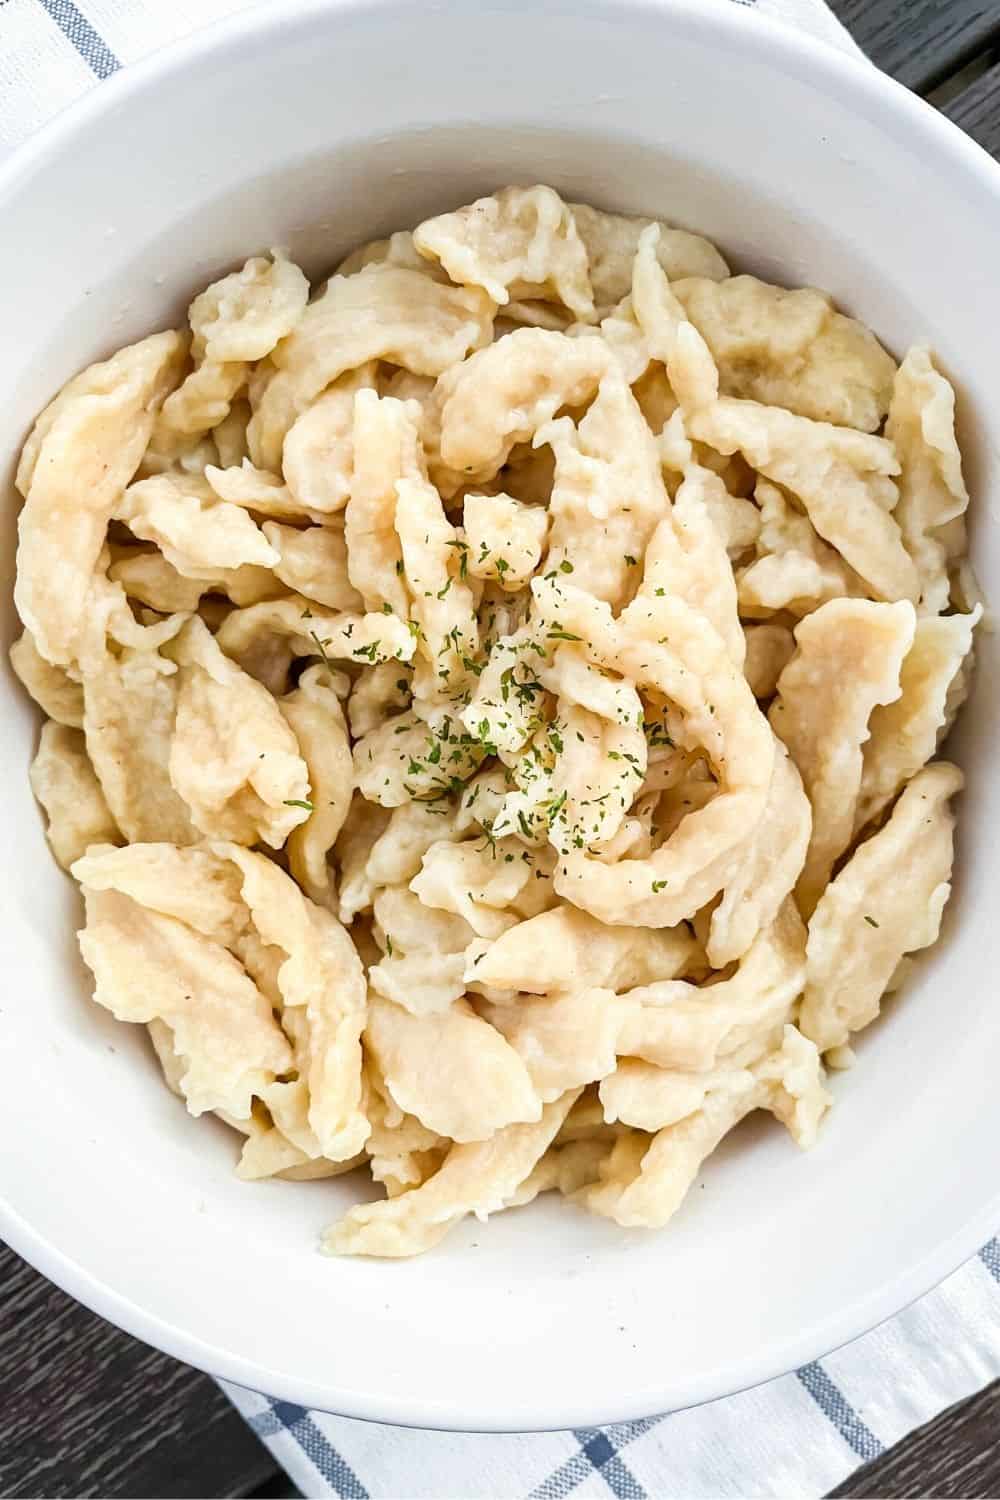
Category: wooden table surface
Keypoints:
(87, 1411)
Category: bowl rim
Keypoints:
(724, 24)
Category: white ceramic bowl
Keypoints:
(316, 126)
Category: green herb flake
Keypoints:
(321, 647)
(555, 808)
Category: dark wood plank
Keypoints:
(955, 1457)
(977, 110)
(278, 1488)
(920, 42)
(88, 1411)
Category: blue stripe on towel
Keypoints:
(321, 1453)
(90, 44)
(834, 1405)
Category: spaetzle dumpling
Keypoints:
(401, 759)
(318, 456)
(564, 1040)
(482, 408)
(644, 1097)
(233, 322)
(402, 1153)
(229, 437)
(317, 720)
(770, 647)
(794, 570)
(321, 981)
(611, 241)
(773, 861)
(146, 576)
(422, 967)
(565, 949)
(81, 454)
(504, 539)
(607, 495)
(383, 312)
(687, 557)
(377, 694)
(442, 604)
(790, 349)
(129, 714)
(198, 534)
(398, 250)
(886, 901)
(473, 881)
(385, 450)
(147, 966)
(932, 495)
(245, 786)
(521, 242)
(63, 781)
(313, 563)
(53, 689)
(842, 477)
(266, 638)
(450, 1069)
(194, 886)
(247, 313)
(646, 1185)
(679, 1025)
(257, 490)
(848, 659)
(481, 1178)
(904, 734)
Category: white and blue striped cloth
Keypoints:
(798, 1436)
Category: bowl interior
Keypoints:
(316, 132)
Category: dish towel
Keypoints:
(797, 1436)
